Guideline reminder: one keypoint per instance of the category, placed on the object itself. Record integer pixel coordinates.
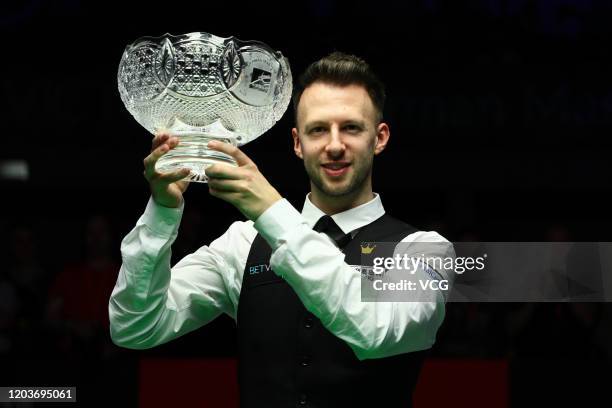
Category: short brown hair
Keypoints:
(342, 69)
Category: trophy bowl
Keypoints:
(202, 87)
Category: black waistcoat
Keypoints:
(287, 358)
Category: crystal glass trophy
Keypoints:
(202, 87)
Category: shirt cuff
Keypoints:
(163, 221)
(280, 218)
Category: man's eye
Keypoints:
(318, 129)
(352, 128)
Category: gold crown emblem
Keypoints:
(366, 250)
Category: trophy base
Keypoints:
(193, 154)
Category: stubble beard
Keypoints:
(359, 178)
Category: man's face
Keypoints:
(337, 136)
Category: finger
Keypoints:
(151, 159)
(174, 176)
(229, 196)
(159, 139)
(166, 145)
(225, 185)
(162, 131)
(171, 141)
(223, 171)
(238, 155)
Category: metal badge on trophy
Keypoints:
(202, 87)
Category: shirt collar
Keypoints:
(348, 220)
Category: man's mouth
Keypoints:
(335, 169)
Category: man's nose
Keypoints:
(335, 145)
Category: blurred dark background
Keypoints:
(501, 116)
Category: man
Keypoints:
(305, 337)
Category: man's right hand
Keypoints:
(167, 188)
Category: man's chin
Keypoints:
(332, 187)
(336, 189)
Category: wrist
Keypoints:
(267, 203)
(161, 219)
(278, 220)
(168, 202)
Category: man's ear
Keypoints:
(297, 146)
(382, 137)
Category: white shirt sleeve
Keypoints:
(331, 289)
(153, 303)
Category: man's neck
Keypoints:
(331, 205)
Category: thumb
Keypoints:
(175, 175)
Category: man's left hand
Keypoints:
(243, 186)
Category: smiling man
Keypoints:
(339, 132)
(289, 279)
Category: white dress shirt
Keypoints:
(153, 302)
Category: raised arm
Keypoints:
(153, 303)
